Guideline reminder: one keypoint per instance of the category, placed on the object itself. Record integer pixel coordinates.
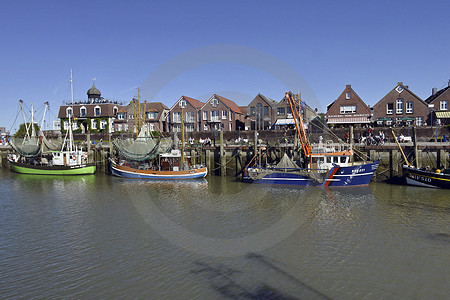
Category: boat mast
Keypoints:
(71, 115)
(400, 147)
(182, 137)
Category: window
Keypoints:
(266, 110)
(83, 112)
(443, 105)
(103, 124)
(150, 115)
(94, 124)
(190, 117)
(390, 108)
(231, 116)
(183, 103)
(152, 127)
(119, 127)
(399, 107)
(205, 115)
(66, 125)
(419, 121)
(252, 110)
(205, 127)
(409, 107)
(280, 111)
(115, 110)
(190, 128)
(214, 115)
(350, 109)
(121, 116)
(69, 112)
(176, 117)
(214, 102)
(131, 116)
(289, 111)
(177, 128)
(224, 114)
(347, 96)
(126, 127)
(97, 111)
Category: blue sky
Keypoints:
(236, 49)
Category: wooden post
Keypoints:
(222, 156)
(391, 160)
(416, 154)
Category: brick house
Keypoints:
(400, 107)
(284, 116)
(348, 109)
(261, 113)
(220, 113)
(438, 106)
(191, 109)
(152, 113)
(94, 115)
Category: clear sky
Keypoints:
(236, 49)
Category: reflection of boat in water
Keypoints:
(326, 165)
(425, 177)
(149, 157)
(32, 159)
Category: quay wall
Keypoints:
(233, 156)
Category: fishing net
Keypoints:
(144, 147)
(26, 147)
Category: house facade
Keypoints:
(189, 109)
(220, 113)
(154, 114)
(94, 115)
(400, 107)
(348, 110)
(261, 113)
(284, 117)
(438, 106)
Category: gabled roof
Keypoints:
(405, 88)
(227, 102)
(193, 102)
(269, 101)
(433, 97)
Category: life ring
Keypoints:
(74, 157)
(85, 156)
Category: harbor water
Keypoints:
(100, 236)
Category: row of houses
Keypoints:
(400, 106)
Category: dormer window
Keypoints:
(83, 112)
(115, 110)
(69, 112)
(97, 111)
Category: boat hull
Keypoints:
(356, 175)
(426, 178)
(52, 170)
(128, 172)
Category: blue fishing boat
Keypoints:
(326, 164)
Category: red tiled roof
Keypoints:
(231, 104)
(194, 102)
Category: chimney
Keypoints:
(349, 85)
(400, 83)
(433, 91)
(448, 83)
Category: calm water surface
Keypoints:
(101, 236)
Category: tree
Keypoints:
(22, 130)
